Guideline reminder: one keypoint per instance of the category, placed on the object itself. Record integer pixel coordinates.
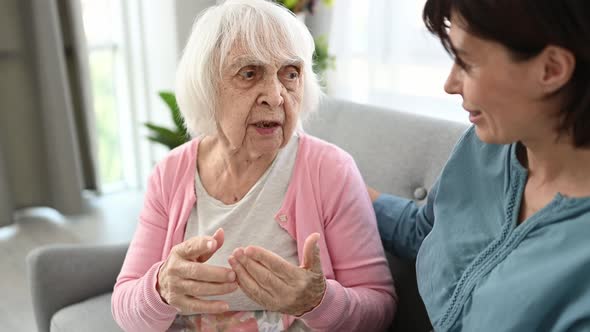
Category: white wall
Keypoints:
(186, 12)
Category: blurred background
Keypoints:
(79, 79)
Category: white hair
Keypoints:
(262, 28)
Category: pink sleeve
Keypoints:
(136, 304)
(362, 297)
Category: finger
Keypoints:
(219, 237)
(203, 272)
(195, 247)
(264, 277)
(311, 254)
(271, 261)
(190, 305)
(249, 286)
(198, 288)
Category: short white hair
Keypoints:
(264, 29)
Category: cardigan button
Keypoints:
(283, 218)
(420, 193)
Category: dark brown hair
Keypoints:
(526, 27)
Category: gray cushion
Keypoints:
(396, 152)
(90, 315)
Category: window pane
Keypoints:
(386, 57)
(102, 64)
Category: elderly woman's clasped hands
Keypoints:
(185, 278)
(278, 285)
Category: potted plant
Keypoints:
(322, 60)
(299, 6)
(169, 137)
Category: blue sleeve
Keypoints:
(403, 224)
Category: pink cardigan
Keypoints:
(326, 195)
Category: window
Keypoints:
(109, 75)
(386, 57)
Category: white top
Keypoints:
(248, 222)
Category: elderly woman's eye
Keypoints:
(248, 74)
(292, 74)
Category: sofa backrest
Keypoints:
(398, 153)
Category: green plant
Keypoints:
(297, 6)
(169, 137)
(322, 60)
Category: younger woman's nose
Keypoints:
(454, 82)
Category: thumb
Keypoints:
(311, 254)
(217, 241)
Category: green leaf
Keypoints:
(157, 139)
(170, 99)
(322, 60)
(166, 136)
(290, 3)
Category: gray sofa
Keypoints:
(396, 152)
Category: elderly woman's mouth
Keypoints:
(266, 127)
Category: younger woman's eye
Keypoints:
(464, 65)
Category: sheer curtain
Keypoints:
(386, 57)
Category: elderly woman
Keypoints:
(503, 242)
(253, 225)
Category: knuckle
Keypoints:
(195, 307)
(173, 299)
(178, 250)
(172, 269)
(197, 289)
(176, 287)
(229, 287)
(189, 246)
(200, 243)
(196, 268)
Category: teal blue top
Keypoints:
(478, 269)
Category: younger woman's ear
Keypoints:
(558, 68)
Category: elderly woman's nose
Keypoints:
(272, 93)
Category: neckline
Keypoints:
(198, 183)
(558, 200)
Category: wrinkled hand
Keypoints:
(276, 284)
(184, 277)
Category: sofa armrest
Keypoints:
(61, 275)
